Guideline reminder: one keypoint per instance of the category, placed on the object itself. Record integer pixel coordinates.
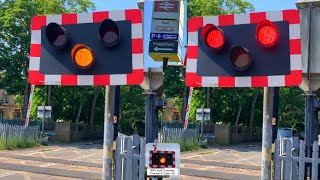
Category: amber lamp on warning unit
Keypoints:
(82, 56)
(267, 34)
(213, 36)
(162, 160)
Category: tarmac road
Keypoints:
(84, 161)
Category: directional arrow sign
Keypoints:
(163, 47)
(159, 50)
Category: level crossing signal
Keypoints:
(99, 48)
(245, 50)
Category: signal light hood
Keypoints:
(109, 33)
(56, 35)
(240, 58)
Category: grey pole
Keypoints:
(149, 119)
(201, 136)
(267, 134)
(108, 133)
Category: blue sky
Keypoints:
(108, 5)
(260, 5)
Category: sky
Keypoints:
(109, 5)
(260, 5)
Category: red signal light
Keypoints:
(213, 36)
(267, 34)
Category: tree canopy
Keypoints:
(15, 37)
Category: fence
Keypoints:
(187, 138)
(240, 134)
(19, 122)
(14, 136)
(180, 125)
(290, 161)
(130, 158)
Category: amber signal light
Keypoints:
(82, 56)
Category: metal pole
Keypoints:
(311, 122)
(165, 64)
(149, 115)
(275, 116)
(43, 116)
(208, 97)
(108, 133)
(267, 134)
(116, 112)
(202, 123)
(155, 120)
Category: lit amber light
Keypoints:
(163, 160)
(82, 56)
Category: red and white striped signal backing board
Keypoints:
(135, 78)
(292, 79)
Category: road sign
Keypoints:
(233, 50)
(163, 36)
(48, 110)
(165, 26)
(159, 50)
(203, 114)
(166, 9)
(162, 159)
(166, 47)
(87, 35)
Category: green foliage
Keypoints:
(132, 109)
(173, 84)
(217, 7)
(187, 144)
(19, 100)
(15, 37)
(291, 108)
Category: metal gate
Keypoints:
(130, 158)
(290, 162)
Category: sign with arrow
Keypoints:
(163, 47)
(159, 50)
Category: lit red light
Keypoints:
(213, 36)
(215, 39)
(267, 34)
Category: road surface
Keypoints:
(84, 161)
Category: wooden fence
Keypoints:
(130, 158)
(290, 161)
(14, 136)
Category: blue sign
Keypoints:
(163, 36)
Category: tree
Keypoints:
(217, 7)
(132, 109)
(15, 37)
